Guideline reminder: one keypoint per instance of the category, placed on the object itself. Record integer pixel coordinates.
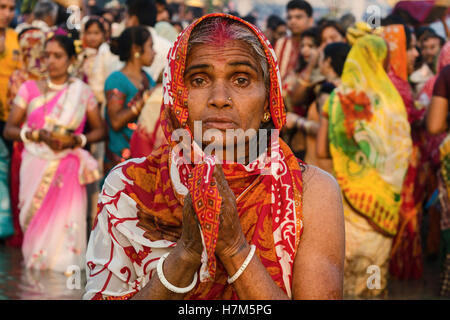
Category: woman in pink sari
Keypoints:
(55, 168)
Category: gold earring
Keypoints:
(137, 55)
(70, 69)
(266, 117)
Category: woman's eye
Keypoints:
(241, 81)
(198, 82)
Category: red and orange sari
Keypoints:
(121, 259)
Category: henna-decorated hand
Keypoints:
(191, 239)
(231, 238)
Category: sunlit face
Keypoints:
(7, 8)
(306, 46)
(412, 54)
(226, 89)
(147, 54)
(298, 21)
(56, 60)
(430, 49)
(330, 35)
(94, 36)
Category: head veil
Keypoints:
(197, 178)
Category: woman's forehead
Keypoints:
(217, 51)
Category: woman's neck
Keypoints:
(133, 67)
(59, 79)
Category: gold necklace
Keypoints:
(56, 87)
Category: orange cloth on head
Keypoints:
(396, 38)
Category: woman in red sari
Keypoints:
(406, 254)
(271, 227)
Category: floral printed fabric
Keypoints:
(369, 132)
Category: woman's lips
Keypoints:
(219, 123)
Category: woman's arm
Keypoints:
(319, 263)
(179, 269)
(13, 128)
(119, 115)
(15, 120)
(302, 85)
(436, 118)
(183, 261)
(322, 144)
(98, 132)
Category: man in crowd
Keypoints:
(429, 43)
(276, 29)
(287, 49)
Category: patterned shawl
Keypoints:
(369, 135)
(268, 195)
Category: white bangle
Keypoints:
(83, 140)
(23, 136)
(244, 265)
(167, 284)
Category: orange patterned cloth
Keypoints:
(395, 36)
(121, 258)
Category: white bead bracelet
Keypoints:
(167, 284)
(244, 265)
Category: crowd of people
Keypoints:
(81, 110)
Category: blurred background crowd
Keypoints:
(81, 91)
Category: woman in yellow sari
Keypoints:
(365, 129)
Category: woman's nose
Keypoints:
(219, 96)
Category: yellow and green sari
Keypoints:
(369, 136)
(370, 144)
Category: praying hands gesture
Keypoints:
(316, 273)
(231, 239)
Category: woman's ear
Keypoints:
(136, 49)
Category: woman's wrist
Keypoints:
(234, 251)
(187, 256)
(29, 135)
(232, 262)
(79, 141)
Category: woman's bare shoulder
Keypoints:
(314, 177)
(321, 196)
(318, 268)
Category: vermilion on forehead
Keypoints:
(231, 51)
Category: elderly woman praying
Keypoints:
(208, 223)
